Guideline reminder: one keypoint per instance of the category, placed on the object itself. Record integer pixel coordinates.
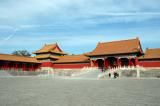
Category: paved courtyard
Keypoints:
(38, 91)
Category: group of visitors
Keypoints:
(115, 74)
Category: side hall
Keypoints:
(18, 63)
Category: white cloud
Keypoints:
(66, 18)
(5, 38)
(34, 11)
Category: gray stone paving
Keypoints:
(37, 91)
(4, 74)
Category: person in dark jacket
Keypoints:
(116, 74)
(109, 75)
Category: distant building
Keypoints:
(151, 58)
(50, 52)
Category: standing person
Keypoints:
(109, 75)
(114, 75)
(102, 69)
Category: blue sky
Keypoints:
(77, 25)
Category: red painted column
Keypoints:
(0, 67)
(136, 61)
(118, 62)
(29, 67)
(23, 66)
(11, 66)
(6, 66)
(16, 66)
(36, 66)
(106, 63)
(132, 62)
(129, 60)
(92, 63)
(95, 63)
(32, 67)
(3, 66)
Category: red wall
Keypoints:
(149, 63)
(66, 66)
(81, 65)
(71, 65)
(106, 63)
(46, 64)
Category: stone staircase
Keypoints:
(123, 72)
(93, 74)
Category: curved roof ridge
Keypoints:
(120, 40)
(73, 59)
(17, 55)
(46, 48)
(151, 53)
(11, 57)
(117, 47)
(153, 48)
(50, 44)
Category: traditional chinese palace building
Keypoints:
(116, 53)
(105, 55)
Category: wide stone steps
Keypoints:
(91, 74)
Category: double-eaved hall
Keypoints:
(106, 55)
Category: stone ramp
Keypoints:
(91, 74)
(4, 74)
